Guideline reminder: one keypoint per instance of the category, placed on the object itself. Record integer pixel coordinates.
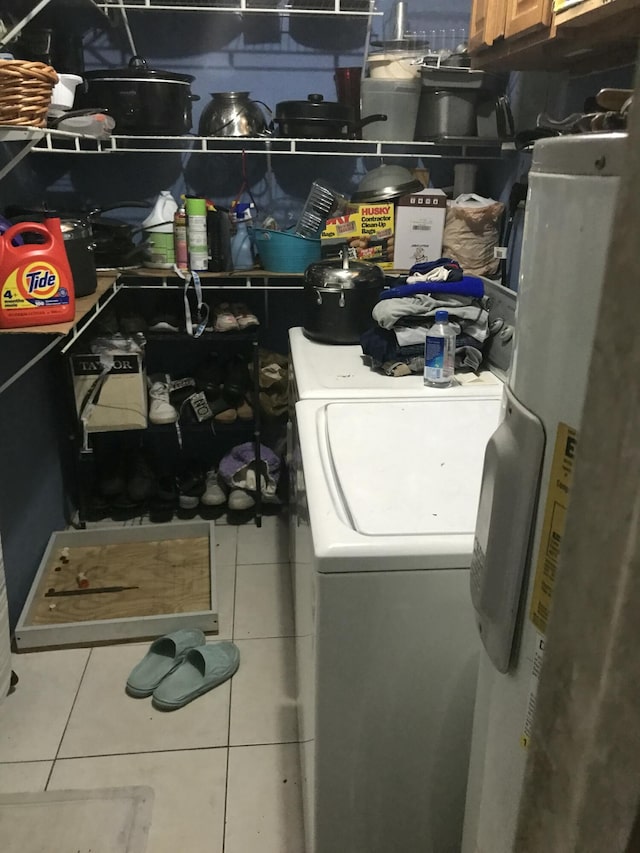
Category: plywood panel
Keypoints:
(172, 576)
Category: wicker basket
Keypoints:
(25, 92)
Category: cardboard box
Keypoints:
(419, 228)
(113, 400)
(366, 230)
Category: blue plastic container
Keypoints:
(283, 251)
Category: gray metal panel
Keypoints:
(502, 318)
(597, 154)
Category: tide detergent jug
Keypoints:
(36, 285)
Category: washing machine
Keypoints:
(386, 643)
(385, 477)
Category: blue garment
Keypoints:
(427, 266)
(468, 285)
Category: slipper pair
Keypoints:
(179, 667)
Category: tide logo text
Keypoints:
(39, 280)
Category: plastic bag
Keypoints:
(471, 233)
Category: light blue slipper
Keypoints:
(164, 655)
(202, 670)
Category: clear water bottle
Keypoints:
(440, 352)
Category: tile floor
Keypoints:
(225, 768)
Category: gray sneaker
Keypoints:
(214, 494)
(240, 500)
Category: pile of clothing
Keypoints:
(405, 313)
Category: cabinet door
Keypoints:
(487, 22)
(523, 15)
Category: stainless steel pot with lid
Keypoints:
(386, 183)
(339, 297)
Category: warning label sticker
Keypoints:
(553, 525)
(536, 667)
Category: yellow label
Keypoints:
(367, 230)
(553, 525)
(32, 286)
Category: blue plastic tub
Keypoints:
(283, 251)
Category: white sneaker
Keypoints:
(239, 500)
(160, 409)
(214, 495)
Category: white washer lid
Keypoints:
(410, 467)
(330, 371)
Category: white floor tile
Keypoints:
(24, 777)
(264, 808)
(189, 793)
(264, 604)
(32, 719)
(266, 544)
(106, 721)
(226, 539)
(262, 699)
(226, 588)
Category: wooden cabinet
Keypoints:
(526, 15)
(510, 35)
(488, 19)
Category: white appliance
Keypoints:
(327, 371)
(386, 647)
(528, 465)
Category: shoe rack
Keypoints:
(168, 445)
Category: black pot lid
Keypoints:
(315, 108)
(138, 70)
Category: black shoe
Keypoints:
(237, 381)
(141, 479)
(209, 381)
(164, 501)
(110, 474)
(132, 323)
(192, 484)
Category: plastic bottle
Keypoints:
(159, 232)
(180, 238)
(197, 233)
(440, 352)
(36, 284)
(241, 249)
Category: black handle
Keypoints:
(369, 120)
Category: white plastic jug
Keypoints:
(159, 232)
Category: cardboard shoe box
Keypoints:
(110, 396)
(419, 228)
(366, 230)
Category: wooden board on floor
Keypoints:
(170, 567)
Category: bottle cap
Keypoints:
(196, 206)
(442, 316)
(242, 212)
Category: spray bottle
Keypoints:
(159, 232)
(180, 237)
(241, 248)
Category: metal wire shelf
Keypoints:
(57, 142)
(345, 8)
